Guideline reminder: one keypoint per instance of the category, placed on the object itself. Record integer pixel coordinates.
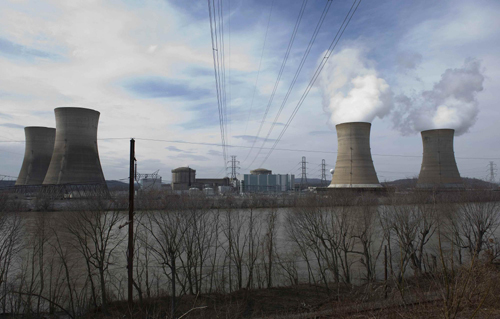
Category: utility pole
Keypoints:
(130, 252)
(234, 162)
(303, 180)
(323, 172)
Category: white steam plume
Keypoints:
(452, 102)
(352, 91)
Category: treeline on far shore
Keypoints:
(154, 199)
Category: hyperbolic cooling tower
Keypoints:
(354, 167)
(37, 155)
(439, 168)
(75, 159)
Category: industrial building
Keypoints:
(37, 155)
(75, 159)
(184, 179)
(262, 180)
(439, 168)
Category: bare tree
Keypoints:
(95, 235)
(473, 225)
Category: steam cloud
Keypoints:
(452, 102)
(352, 90)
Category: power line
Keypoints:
(217, 56)
(266, 148)
(280, 73)
(260, 64)
(297, 73)
(333, 44)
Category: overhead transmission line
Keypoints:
(315, 76)
(268, 148)
(280, 73)
(297, 73)
(217, 36)
(260, 65)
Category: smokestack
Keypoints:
(439, 169)
(354, 167)
(75, 159)
(37, 154)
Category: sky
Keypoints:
(147, 67)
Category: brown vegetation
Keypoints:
(324, 257)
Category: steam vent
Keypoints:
(439, 169)
(37, 155)
(354, 167)
(75, 159)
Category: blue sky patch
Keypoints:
(207, 115)
(161, 87)
(12, 49)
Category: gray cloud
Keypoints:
(191, 156)
(12, 125)
(175, 149)
(251, 138)
(315, 133)
(452, 102)
(408, 60)
(214, 153)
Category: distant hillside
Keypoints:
(117, 185)
(469, 183)
(312, 181)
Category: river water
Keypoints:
(68, 257)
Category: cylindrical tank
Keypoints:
(354, 167)
(37, 154)
(183, 178)
(75, 159)
(439, 168)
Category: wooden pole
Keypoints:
(385, 271)
(130, 253)
(172, 260)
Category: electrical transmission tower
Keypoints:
(492, 170)
(303, 180)
(323, 173)
(234, 162)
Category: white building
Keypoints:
(263, 181)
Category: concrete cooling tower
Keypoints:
(75, 159)
(439, 169)
(354, 167)
(37, 155)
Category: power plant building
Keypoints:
(439, 168)
(354, 167)
(263, 181)
(75, 158)
(183, 178)
(37, 155)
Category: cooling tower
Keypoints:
(75, 159)
(37, 155)
(354, 167)
(439, 169)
